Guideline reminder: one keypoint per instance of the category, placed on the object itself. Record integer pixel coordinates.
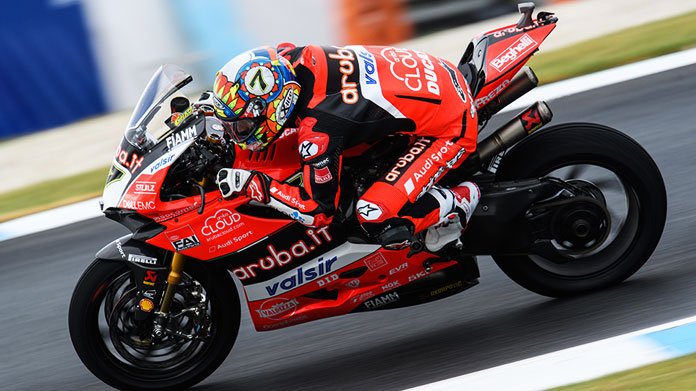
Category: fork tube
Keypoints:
(173, 279)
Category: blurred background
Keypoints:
(76, 59)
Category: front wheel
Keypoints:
(622, 176)
(118, 348)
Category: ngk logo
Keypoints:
(518, 48)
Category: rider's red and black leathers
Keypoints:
(358, 94)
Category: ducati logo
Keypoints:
(368, 211)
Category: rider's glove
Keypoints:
(235, 181)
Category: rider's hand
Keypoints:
(235, 181)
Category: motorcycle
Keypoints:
(565, 209)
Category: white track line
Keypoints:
(50, 219)
(605, 78)
(89, 209)
(582, 362)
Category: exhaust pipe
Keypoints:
(524, 81)
(519, 127)
(529, 120)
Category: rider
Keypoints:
(341, 99)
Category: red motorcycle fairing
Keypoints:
(291, 273)
(507, 49)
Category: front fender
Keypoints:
(132, 250)
(147, 263)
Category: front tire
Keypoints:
(106, 289)
(573, 149)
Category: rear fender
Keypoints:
(499, 54)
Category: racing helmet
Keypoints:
(254, 94)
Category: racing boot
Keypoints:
(463, 200)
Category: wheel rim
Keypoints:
(122, 337)
(623, 206)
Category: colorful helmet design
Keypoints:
(255, 94)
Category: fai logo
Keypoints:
(518, 48)
(183, 238)
(308, 150)
(368, 211)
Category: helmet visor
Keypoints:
(244, 128)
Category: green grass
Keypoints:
(634, 44)
(675, 374)
(623, 47)
(52, 194)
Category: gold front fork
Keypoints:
(173, 279)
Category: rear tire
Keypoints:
(605, 150)
(107, 282)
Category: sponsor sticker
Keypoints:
(322, 175)
(277, 308)
(346, 62)
(368, 211)
(146, 305)
(375, 261)
(183, 238)
(308, 150)
(142, 259)
(381, 301)
(142, 187)
(138, 205)
(181, 136)
(277, 258)
(414, 72)
(405, 160)
(517, 49)
(129, 161)
(221, 223)
(150, 277)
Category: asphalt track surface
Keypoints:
(495, 323)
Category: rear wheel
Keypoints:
(622, 176)
(120, 350)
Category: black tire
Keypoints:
(95, 345)
(602, 149)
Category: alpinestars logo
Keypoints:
(368, 211)
(308, 150)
